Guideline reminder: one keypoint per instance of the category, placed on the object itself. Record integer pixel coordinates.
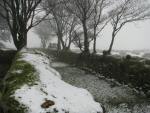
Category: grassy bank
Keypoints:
(20, 73)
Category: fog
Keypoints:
(33, 40)
(134, 36)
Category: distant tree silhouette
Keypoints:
(62, 22)
(45, 33)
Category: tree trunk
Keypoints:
(94, 43)
(58, 45)
(20, 41)
(23, 40)
(14, 36)
(43, 41)
(19, 35)
(69, 44)
(94, 46)
(62, 42)
(60, 39)
(111, 44)
(86, 41)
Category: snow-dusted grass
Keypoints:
(116, 98)
(67, 98)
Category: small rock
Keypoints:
(47, 104)
(55, 110)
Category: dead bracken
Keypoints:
(47, 104)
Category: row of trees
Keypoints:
(77, 22)
(80, 22)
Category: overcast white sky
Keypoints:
(132, 36)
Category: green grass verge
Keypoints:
(20, 73)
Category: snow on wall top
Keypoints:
(62, 97)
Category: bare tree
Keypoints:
(127, 11)
(19, 15)
(78, 38)
(70, 30)
(99, 19)
(62, 22)
(83, 10)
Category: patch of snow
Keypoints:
(76, 50)
(41, 53)
(112, 53)
(24, 49)
(99, 53)
(17, 71)
(133, 54)
(141, 54)
(115, 53)
(67, 98)
(59, 64)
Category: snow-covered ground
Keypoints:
(65, 98)
(116, 98)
